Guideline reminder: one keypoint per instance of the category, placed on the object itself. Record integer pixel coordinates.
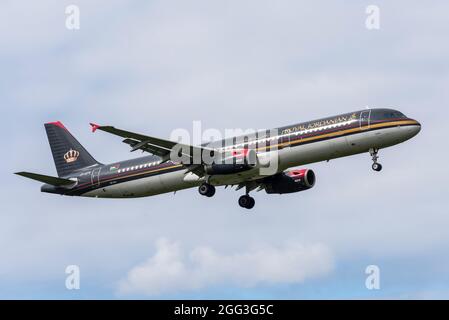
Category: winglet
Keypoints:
(94, 127)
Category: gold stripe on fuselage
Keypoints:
(138, 174)
(342, 132)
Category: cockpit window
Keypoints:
(386, 114)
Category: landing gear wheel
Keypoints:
(251, 204)
(376, 166)
(206, 189)
(247, 202)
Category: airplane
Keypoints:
(265, 160)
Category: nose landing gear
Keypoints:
(376, 166)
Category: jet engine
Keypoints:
(233, 161)
(290, 181)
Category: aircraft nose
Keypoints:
(417, 126)
(414, 129)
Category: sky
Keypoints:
(156, 66)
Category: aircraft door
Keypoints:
(95, 177)
(365, 119)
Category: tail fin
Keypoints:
(69, 155)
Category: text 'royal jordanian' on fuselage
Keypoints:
(260, 161)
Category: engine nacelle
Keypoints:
(215, 169)
(233, 161)
(290, 181)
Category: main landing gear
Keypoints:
(207, 190)
(246, 201)
(376, 166)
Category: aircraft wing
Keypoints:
(153, 145)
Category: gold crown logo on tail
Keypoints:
(71, 156)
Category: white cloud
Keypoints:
(171, 270)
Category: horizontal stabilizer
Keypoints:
(54, 181)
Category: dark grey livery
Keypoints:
(79, 174)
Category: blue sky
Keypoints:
(155, 66)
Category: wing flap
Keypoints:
(147, 146)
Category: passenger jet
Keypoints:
(265, 160)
